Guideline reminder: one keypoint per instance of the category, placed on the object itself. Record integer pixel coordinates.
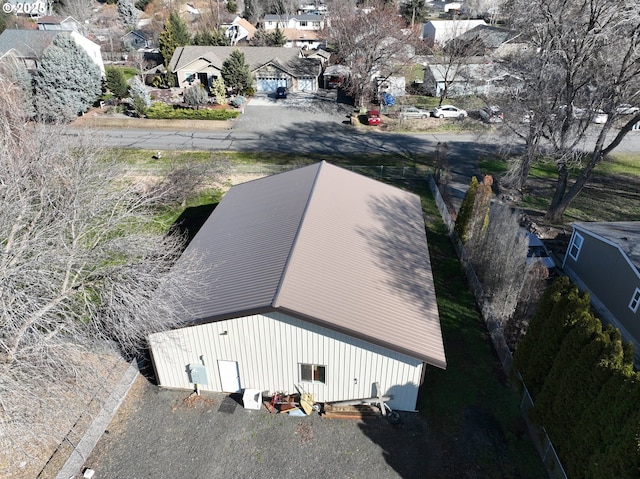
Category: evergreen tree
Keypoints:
(534, 356)
(116, 82)
(414, 11)
(195, 96)
(260, 38)
(219, 90)
(211, 38)
(174, 34)
(67, 82)
(128, 13)
(276, 38)
(140, 97)
(477, 225)
(465, 213)
(235, 72)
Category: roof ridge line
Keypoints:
(276, 297)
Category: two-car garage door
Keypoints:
(266, 84)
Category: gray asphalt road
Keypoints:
(319, 124)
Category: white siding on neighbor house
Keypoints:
(269, 349)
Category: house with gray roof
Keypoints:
(56, 23)
(477, 77)
(603, 258)
(27, 46)
(271, 67)
(318, 277)
(491, 41)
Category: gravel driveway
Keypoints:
(160, 434)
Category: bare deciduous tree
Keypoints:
(499, 258)
(584, 58)
(81, 259)
(373, 42)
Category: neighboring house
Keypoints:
(318, 277)
(604, 259)
(336, 76)
(441, 31)
(306, 22)
(239, 31)
(135, 39)
(395, 85)
(490, 41)
(51, 22)
(270, 67)
(27, 46)
(301, 31)
(305, 39)
(483, 79)
(313, 8)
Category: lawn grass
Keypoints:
(474, 379)
(611, 194)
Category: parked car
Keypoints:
(373, 117)
(626, 109)
(491, 114)
(539, 252)
(281, 92)
(415, 112)
(597, 116)
(449, 111)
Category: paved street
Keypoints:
(319, 124)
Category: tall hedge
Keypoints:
(585, 390)
(465, 213)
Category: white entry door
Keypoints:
(229, 376)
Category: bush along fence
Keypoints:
(539, 435)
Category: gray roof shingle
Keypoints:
(288, 59)
(626, 234)
(27, 43)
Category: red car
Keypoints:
(373, 117)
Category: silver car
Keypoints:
(449, 111)
(415, 112)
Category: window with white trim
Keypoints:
(313, 373)
(635, 300)
(576, 245)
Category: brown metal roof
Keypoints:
(329, 246)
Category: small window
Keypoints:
(312, 373)
(635, 301)
(303, 24)
(576, 244)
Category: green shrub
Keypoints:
(162, 111)
(585, 388)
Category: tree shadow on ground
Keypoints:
(191, 220)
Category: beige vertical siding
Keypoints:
(268, 349)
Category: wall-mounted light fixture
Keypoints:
(223, 333)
